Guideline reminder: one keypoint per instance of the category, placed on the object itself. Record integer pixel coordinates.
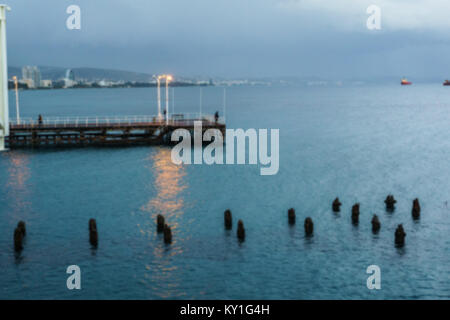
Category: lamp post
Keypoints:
(224, 102)
(158, 81)
(4, 111)
(16, 87)
(201, 102)
(168, 79)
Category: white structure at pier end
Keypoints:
(4, 108)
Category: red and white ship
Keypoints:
(405, 82)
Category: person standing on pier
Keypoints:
(40, 119)
(216, 116)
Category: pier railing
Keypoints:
(99, 121)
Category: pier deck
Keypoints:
(103, 131)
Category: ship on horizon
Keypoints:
(405, 82)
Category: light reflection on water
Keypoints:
(169, 202)
(169, 184)
(17, 185)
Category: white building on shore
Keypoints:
(31, 76)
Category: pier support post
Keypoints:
(4, 108)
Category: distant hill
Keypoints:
(107, 74)
(89, 74)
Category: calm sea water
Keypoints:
(358, 143)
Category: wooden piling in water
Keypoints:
(241, 231)
(93, 234)
(400, 235)
(376, 225)
(19, 235)
(355, 214)
(291, 216)
(160, 223)
(309, 226)
(336, 206)
(21, 226)
(390, 202)
(228, 220)
(167, 234)
(416, 209)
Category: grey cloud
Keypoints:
(226, 38)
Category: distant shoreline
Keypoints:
(114, 86)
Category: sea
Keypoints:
(356, 142)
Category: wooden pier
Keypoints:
(103, 131)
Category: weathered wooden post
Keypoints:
(376, 225)
(93, 234)
(291, 216)
(390, 203)
(355, 213)
(416, 209)
(336, 205)
(400, 236)
(160, 223)
(18, 240)
(309, 226)
(21, 226)
(228, 220)
(19, 234)
(167, 234)
(241, 231)
(92, 224)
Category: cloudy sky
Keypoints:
(233, 38)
